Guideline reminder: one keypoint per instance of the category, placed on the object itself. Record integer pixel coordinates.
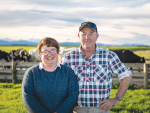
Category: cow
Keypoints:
(34, 55)
(63, 51)
(127, 56)
(4, 56)
(20, 55)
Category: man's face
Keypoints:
(87, 37)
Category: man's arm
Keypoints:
(124, 84)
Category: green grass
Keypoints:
(134, 48)
(10, 98)
(134, 101)
(9, 48)
(145, 54)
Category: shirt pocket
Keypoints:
(79, 72)
(100, 73)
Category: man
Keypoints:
(94, 67)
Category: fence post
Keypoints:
(14, 76)
(145, 76)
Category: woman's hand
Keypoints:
(75, 108)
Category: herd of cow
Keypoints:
(20, 55)
(126, 56)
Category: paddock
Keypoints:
(140, 72)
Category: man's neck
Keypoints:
(88, 52)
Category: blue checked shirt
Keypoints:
(95, 74)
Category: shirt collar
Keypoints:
(97, 48)
(42, 67)
(80, 51)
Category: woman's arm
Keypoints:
(70, 101)
(30, 101)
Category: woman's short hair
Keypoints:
(48, 41)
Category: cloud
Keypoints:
(77, 3)
(136, 39)
(39, 14)
(117, 20)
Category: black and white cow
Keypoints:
(127, 56)
(20, 55)
(4, 56)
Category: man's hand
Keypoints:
(108, 103)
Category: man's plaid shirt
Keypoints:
(95, 74)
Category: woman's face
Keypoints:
(49, 55)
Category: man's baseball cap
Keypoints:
(88, 24)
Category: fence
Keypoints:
(14, 70)
(140, 72)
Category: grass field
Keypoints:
(140, 51)
(9, 48)
(134, 101)
(134, 48)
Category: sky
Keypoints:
(118, 21)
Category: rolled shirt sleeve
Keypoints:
(118, 68)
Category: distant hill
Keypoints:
(18, 42)
(8, 41)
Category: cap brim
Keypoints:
(87, 27)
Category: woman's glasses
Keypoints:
(53, 51)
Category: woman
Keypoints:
(49, 87)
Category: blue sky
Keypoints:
(118, 21)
